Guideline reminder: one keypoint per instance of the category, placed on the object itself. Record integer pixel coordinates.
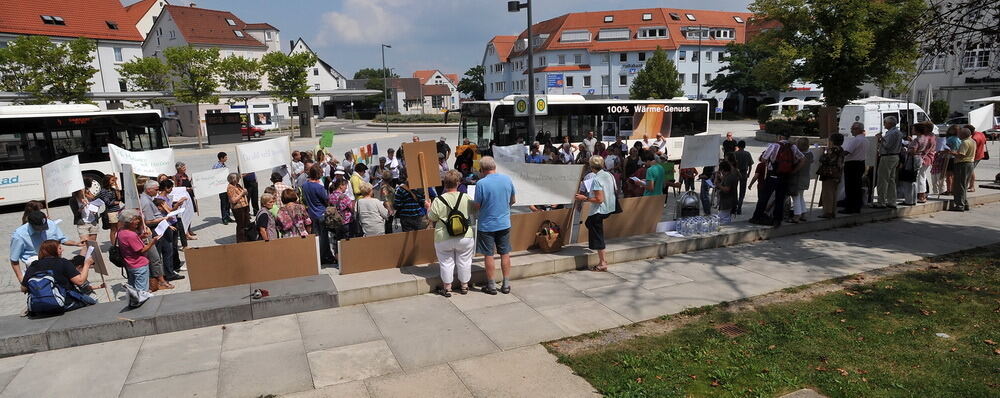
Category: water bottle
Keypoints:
(682, 226)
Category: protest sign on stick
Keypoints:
(61, 178)
(101, 267)
(701, 150)
(421, 164)
(982, 118)
(130, 187)
(144, 163)
(264, 155)
(510, 153)
(209, 182)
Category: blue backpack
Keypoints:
(45, 296)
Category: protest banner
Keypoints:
(253, 262)
(209, 182)
(144, 163)
(422, 169)
(178, 194)
(542, 184)
(510, 153)
(982, 118)
(61, 178)
(130, 187)
(701, 150)
(326, 141)
(264, 155)
(674, 148)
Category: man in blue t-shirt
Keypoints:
(493, 198)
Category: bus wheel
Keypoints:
(97, 177)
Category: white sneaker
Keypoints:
(183, 268)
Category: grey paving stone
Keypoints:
(177, 353)
(337, 327)
(103, 322)
(9, 368)
(583, 280)
(350, 363)
(477, 299)
(428, 330)
(20, 335)
(647, 274)
(515, 325)
(547, 291)
(432, 382)
(799, 273)
(204, 384)
(354, 389)
(278, 368)
(260, 332)
(529, 371)
(632, 301)
(202, 308)
(697, 294)
(583, 317)
(102, 379)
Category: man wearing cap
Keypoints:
(442, 147)
(26, 240)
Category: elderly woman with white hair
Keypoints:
(601, 195)
(240, 206)
(133, 250)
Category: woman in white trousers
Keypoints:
(454, 247)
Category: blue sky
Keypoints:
(450, 35)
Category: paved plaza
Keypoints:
(475, 345)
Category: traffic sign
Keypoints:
(541, 105)
(521, 105)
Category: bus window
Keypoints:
(23, 150)
(67, 142)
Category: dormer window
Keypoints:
(613, 34)
(111, 25)
(647, 17)
(738, 19)
(230, 22)
(655, 32)
(52, 20)
(690, 17)
(238, 33)
(675, 17)
(609, 18)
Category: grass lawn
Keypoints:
(870, 340)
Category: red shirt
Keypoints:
(131, 247)
(980, 140)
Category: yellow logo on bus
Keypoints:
(521, 105)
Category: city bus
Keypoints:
(483, 122)
(33, 135)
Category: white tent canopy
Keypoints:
(796, 103)
(987, 99)
(875, 99)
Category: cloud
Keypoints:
(364, 21)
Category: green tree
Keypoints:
(753, 68)
(473, 84)
(194, 73)
(287, 74)
(939, 111)
(842, 44)
(146, 74)
(375, 82)
(658, 79)
(240, 74)
(48, 71)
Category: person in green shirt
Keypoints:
(655, 175)
(964, 157)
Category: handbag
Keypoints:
(354, 228)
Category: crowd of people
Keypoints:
(346, 198)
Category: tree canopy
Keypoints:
(658, 79)
(146, 74)
(375, 82)
(46, 70)
(239, 74)
(287, 74)
(194, 73)
(473, 83)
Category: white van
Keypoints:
(871, 116)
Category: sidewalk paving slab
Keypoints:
(546, 291)
(514, 325)
(9, 368)
(428, 330)
(632, 301)
(260, 332)
(177, 353)
(583, 317)
(354, 389)
(524, 372)
(204, 384)
(202, 308)
(583, 280)
(91, 324)
(337, 327)
(277, 368)
(351, 363)
(433, 382)
(103, 377)
(646, 274)
(477, 300)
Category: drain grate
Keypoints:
(730, 330)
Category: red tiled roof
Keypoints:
(436, 89)
(632, 19)
(503, 45)
(424, 75)
(560, 68)
(137, 10)
(260, 26)
(209, 27)
(82, 20)
(453, 77)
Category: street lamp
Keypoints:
(516, 6)
(385, 89)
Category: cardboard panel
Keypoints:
(639, 216)
(412, 157)
(251, 262)
(387, 251)
(524, 226)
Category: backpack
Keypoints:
(333, 220)
(784, 160)
(44, 295)
(115, 255)
(455, 223)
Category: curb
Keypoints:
(411, 125)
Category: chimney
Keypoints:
(192, 5)
(291, 45)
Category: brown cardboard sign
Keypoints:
(421, 158)
(639, 216)
(99, 265)
(387, 251)
(251, 262)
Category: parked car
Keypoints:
(992, 134)
(255, 132)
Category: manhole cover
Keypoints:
(730, 330)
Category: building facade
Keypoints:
(437, 99)
(144, 14)
(322, 77)
(598, 54)
(104, 21)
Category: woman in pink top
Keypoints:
(133, 250)
(925, 146)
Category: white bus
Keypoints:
(483, 122)
(33, 135)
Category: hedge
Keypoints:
(421, 118)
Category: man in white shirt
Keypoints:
(392, 164)
(297, 167)
(590, 142)
(660, 142)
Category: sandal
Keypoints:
(464, 290)
(443, 292)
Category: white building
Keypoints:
(598, 54)
(144, 14)
(321, 77)
(202, 28)
(435, 77)
(104, 21)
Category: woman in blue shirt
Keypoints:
(601, 196)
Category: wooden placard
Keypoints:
(415, 166)
(387, 251)
(251, 262)
(639, 216)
